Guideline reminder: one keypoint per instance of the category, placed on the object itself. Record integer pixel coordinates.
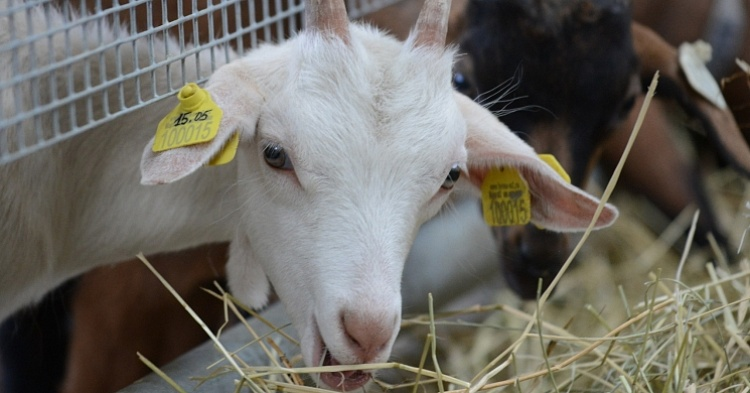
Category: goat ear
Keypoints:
(555, 204)
(656, 54)
(240, 101)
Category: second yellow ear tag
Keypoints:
(505, 198)
(550, 160)
(227, 153)
(505, 194)
(194, 120)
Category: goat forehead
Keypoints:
(373, 105)
(372, 67)
(352, 153)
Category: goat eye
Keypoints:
(452, 177)
(276, 157)
(463, 84)
(460, 82)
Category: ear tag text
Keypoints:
(194, 120)
(226, 154)
(505, 198)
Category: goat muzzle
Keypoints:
(531, 254)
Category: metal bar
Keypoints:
(186, 368)
(29, 122)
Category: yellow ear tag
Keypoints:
(505, 198)
(227, 153)
(195, 120)
(552, 162)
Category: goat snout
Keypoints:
(530, 253)
(369, 334)
(366, 336)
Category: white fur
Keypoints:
(372, 126)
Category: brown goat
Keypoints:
(565, 76)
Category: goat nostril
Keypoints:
(368, 335)
(350, 332)
(352, 339)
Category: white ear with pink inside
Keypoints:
(240, 101)
(555, 204)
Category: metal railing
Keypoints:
(41, 105)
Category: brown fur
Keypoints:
(123, 309)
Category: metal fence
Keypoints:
(38, 109)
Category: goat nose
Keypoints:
(369, 333)
(542, 249)
(533, 254)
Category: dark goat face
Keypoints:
(562, 75)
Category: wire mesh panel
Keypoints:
(41, 102)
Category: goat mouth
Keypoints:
(344, 381)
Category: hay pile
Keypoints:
(633, 315)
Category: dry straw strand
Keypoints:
(195, 316)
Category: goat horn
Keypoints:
(329, 17)
(432, 25)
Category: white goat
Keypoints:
(350, 140)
